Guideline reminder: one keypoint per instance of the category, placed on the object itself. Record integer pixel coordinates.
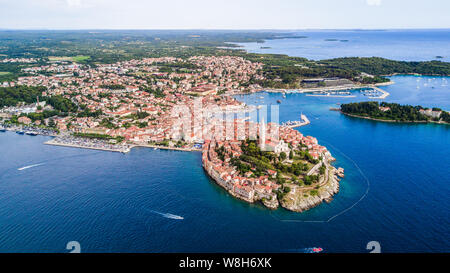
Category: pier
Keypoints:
(328, 91)
(294, 124)
(331, 95)
(383, 95)
(87, 144)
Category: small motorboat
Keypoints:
(317, 249)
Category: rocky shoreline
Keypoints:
(393, 121)
(325, 194)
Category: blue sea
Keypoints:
(403, 45)
(396, 190)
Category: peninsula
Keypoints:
(293, 171)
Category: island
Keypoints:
(393, 112)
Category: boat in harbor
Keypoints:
(278, 101)
(293, 124)
(20, 132)
(31, 133)
(2, 129)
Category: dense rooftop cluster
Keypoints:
(251, 179)
(136, 99)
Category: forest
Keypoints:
(380, 66)
(11, 96)
(388, 111)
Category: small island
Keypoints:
(393, 112)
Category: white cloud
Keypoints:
(73, 3)
(373, 2)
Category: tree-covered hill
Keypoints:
(10, 96)
(380, 66)
(391, 112)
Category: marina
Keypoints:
(343, 91)
(31, 133)
(25, 130)
(294, 124)
(94, 144)
(383, 95)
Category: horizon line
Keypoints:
(221, 29)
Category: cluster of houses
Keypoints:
(123, 89)
(19, 60)
(431, 113)
(247, 186)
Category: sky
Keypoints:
(224, 14)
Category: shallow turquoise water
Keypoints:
(112, 202)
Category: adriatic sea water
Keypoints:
(403, 45)
(396, 190)
(110, 202)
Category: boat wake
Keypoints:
(168, 215)
(28, 167)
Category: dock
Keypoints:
(294, 124)
(330, 95)
(383, 95)
(157, 147)
(110, 148)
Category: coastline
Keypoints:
(56, 143)
(298, 199)
(164, 148)
(326, 193)
(384, 95)
(393, 121)
(120, 148)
